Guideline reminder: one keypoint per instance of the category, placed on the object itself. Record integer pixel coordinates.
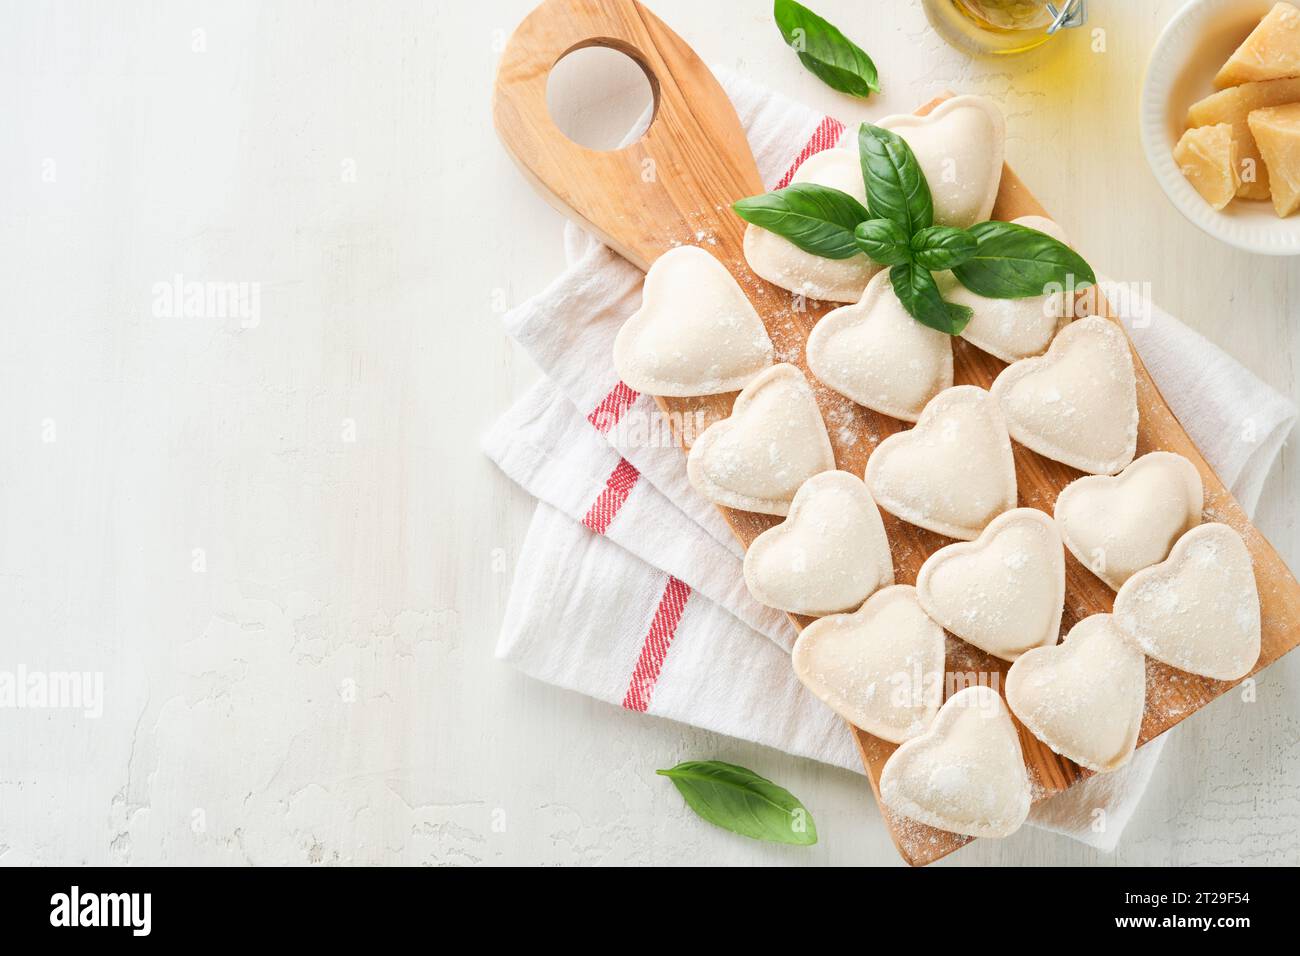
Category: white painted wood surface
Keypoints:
(322, 689)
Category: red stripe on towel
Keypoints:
(611, 408)
(825, 136)
(618, 486)
(655, 648)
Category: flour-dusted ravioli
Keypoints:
(960, 146)
(695, 334)
(829, 555)
(875, 353)
(953, 472)
(1011, 329)
(1077, 404)
(1198, 610)
(880, 668)
(1003, 592)
(966, 774)
(772, 443)
(1119, 525)
(1083, 697)
(782, 263)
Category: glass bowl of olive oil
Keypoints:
(1003, 27)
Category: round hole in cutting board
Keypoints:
(600, 97)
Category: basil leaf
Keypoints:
(920, 295)
(817, 219)
(1016, 262)
(896, 186)
(741, 801)
(883, 241)
(942, 247)
(827, 53)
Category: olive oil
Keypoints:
(1003, 26)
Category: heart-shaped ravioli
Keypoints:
(1003, 592)
(953, 473)
(1198, 610)
(1011, 329)
(1078, 403)
(960, 146)
(1119, 525)
(875, 353)
(880, 668)
(966, 774)
(1084, 697)
(829, 555)
(772, 443)
(695, 334)
(782, 263)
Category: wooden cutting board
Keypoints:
(675, 186)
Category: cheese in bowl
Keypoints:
(1243, 141)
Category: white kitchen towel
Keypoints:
(559, 458)
(588, 616)
(625, 562)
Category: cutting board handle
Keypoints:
(694, 156)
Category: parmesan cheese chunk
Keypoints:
(1277, 131)
(1232, 106)
(1270, 52)
(1207, 156)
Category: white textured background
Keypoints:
(325, 691)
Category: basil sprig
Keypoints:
(996, 260)
(919, 293)
(884, 241)
(896, 186)
(817, 219)
(942, 247)
(741, 801)
(1014, 262)
(827, 53)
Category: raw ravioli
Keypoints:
(695, 334)
(880, 668)
(953, 473)
(966, 774)
(875, 353)
(1198, 610)
(1003, 592)
(784, 264)
(1116, 526)
(1084, 697)
(1011, 329)
(772, 443)
(1076, 404)
(960, 146)
(829, 555)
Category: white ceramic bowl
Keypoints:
(1197, 41)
